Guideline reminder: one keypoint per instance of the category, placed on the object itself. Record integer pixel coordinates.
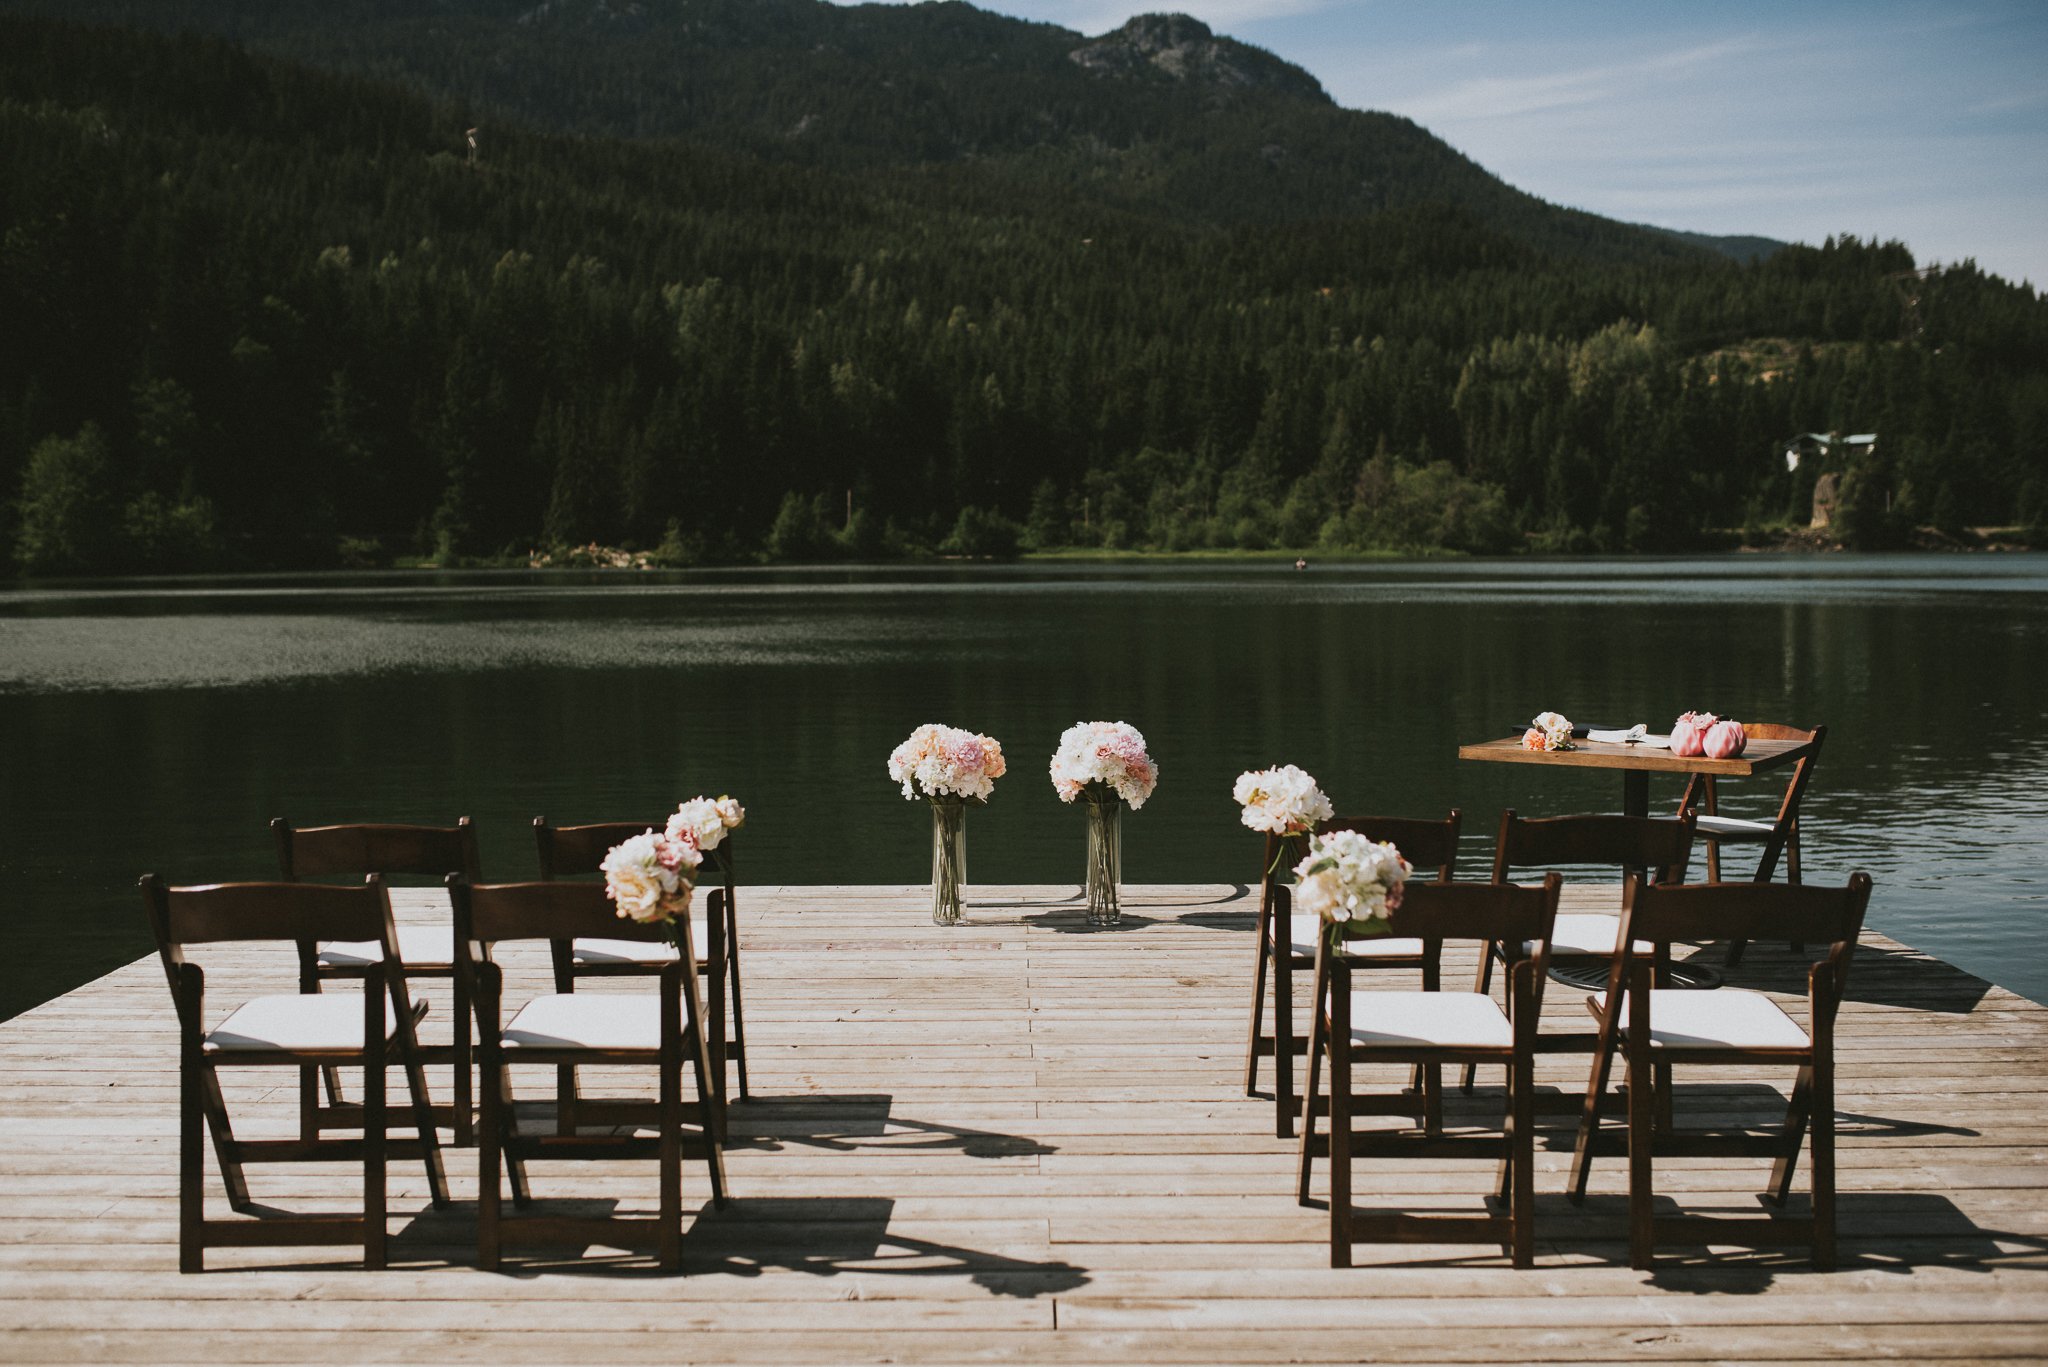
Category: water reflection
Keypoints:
(160, 726)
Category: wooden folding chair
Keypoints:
(352, 1030)
(1430, 1029)
(1656, 1029)
(431, 852)
(1778, 836)
(576, 852)
(1427, 844)
(1660, 845)
(663, 1029)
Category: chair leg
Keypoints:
(1304, 1162)
(1283, 1037)
(376, 1125)
(1251, 1044)
(739, 1011)
(714, 1134)
(1589, 1123)
(1641, 1180)
(490, 1163)
(191, 1162)
(461, 1066)
(1522, 1159)
(422, 1106)
(1796, 1114)
(1822, 1097)
(1340, 1154)
(508, 1127)
(670, 1244)
(714, 1025)
(1482, 983)
(215, 1108)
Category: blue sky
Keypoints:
(1925, 122)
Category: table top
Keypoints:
(1759, 756)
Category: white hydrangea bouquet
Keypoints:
(650, 877)
(1097, 758)
(1349, 879)
(1104, 764)
(948, 768)
(1281, 801)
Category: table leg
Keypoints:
(1635, 792)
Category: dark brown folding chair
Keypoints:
(428, 852)
(1661, 845)
(1429, 1029)
(1288, 943)
(576, 852)
(301, 1031)
(663, 1029)
(1778, 836)
(1656, 1029)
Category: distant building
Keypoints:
(1807, 444)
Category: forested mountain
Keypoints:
(261, 314)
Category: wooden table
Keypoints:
(1638, 762)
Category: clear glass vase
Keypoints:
(1105, 861)
(949, 859)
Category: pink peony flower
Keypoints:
(1725, 740)
(1689, 731)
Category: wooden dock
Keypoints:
(1021, 1140)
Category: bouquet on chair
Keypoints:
(650, 877)
(1283, 801)
(703, 822)
(948, 768)
(1348, 879)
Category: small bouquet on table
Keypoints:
(948, 768)
(1351, 882)
(1104, 764)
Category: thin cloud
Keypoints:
(1499, 97)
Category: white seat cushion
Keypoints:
(1733, 828)
(312, 1022)
(418, 947)
(1725, 1018)
(1304, 930)
(1451, 1019)
(587, 1020)
(1586, 935)
(653, 952)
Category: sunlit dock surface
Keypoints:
(1018, 1139)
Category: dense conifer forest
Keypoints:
(264, 313)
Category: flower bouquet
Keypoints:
(704, 822)
(650, 877)
(1105, 764)
(948, 768)
(1285, 803)
(1349, 880)
(1550, 731)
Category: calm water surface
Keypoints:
(159, 726)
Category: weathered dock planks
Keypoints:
(1020, 1140)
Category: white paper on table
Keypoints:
(1634, 735)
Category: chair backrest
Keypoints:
(220, 912)
(1800, 912)
(577, 851)
(1660, 844)
(1425, 842)
(1700, 791)
(359, 848)
(1435, 912)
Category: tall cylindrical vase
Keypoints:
(1105, 861)
(949, 858)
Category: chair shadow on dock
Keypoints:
(842, 1123)
(1879, 975)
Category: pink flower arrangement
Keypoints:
(1109, 755)
(1724, 740)
(944, 761)
(650, 877)
(1689, 733)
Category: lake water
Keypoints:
(158, 726)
